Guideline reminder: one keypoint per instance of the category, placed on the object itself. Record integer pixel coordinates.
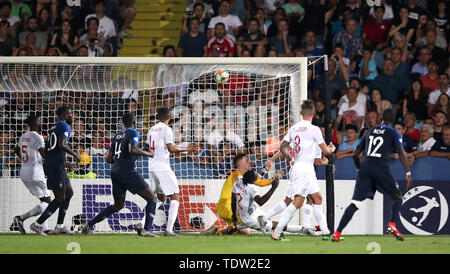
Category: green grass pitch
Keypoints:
(234, 244)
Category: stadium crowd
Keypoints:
(394, 55)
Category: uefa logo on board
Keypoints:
(424, 210)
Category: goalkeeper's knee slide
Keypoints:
(357, 204)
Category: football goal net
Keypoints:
(225, 105)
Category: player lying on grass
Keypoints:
(122, 155)
(242, 165)
(245, 198)
(378, 144)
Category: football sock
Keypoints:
(173, 212)
(34, 211)
(307, 213)
(293, 228)
(275, 210)
(51, 208)
(150, 209)
(348, 214)
(321, 219)
(62, 211)
(105, 213)
(396, 210)
(285, 218)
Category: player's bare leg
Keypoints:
(119, 203)
(60, 196)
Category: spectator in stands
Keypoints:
(422, 35)
(388, 13)
(430, 80)
(399, 41)
(132, 106)
(392, 86)
(337, 85)
(45, 3)
(437, 53)
(231, 22)
(403, 25)
(76, 23)
(351, 112)
(294, 11)
(375, 31)
(21, 9)
(312, 49)
(193, 43)
(342, 62)
(41, 37)
(408, 143)
(339, 25)
(5, 14)
(410, 122)
(347, 147)
(7, 42)
(415, 101)
(440, 121)
(283, 43)
(400, 67)
(216, 50)
(278, 15)
(421, 67)
(207, 9)
(352, 44)
(441, 148)
(264, 22)
(225, 133)
(127, 14)
(317, 16)
(105, 24)
(443, 105)
(424, 145)
(65, 39)
(377, 102)
(319, 118)
(45, 24)
(253, 40)
(198, 12)
(443, 89)
(204, 96)
(226, 43)
(82, 51)
(368, 68)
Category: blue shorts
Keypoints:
(57, 178)
(372, 177)
(126, 180)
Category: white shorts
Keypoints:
(252, 220)
(37, 188)
(302, 183)
(164, 182)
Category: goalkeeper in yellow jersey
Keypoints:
(242, 164)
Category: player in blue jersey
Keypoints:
(378, 144)
(54, 168)
(122, 155)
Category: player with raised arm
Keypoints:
(244, 196)
(160, 141)
(378, 144)
(303, 138)
(54, 169)
(31, 150)
(122, 155)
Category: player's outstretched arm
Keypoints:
(134, 149)
(327, 150)
(404, 160)
(175, 149)
(268, 164)
(285, 150)
(262, 200)
(62, 144)
(109, 157)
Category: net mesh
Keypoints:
(247, 113)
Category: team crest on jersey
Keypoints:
(66, 134)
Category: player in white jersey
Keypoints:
(245, 198)
(31, 149)
(160, 141)
(303, 139)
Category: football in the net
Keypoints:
(222, 76)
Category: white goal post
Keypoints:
(247, 113)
